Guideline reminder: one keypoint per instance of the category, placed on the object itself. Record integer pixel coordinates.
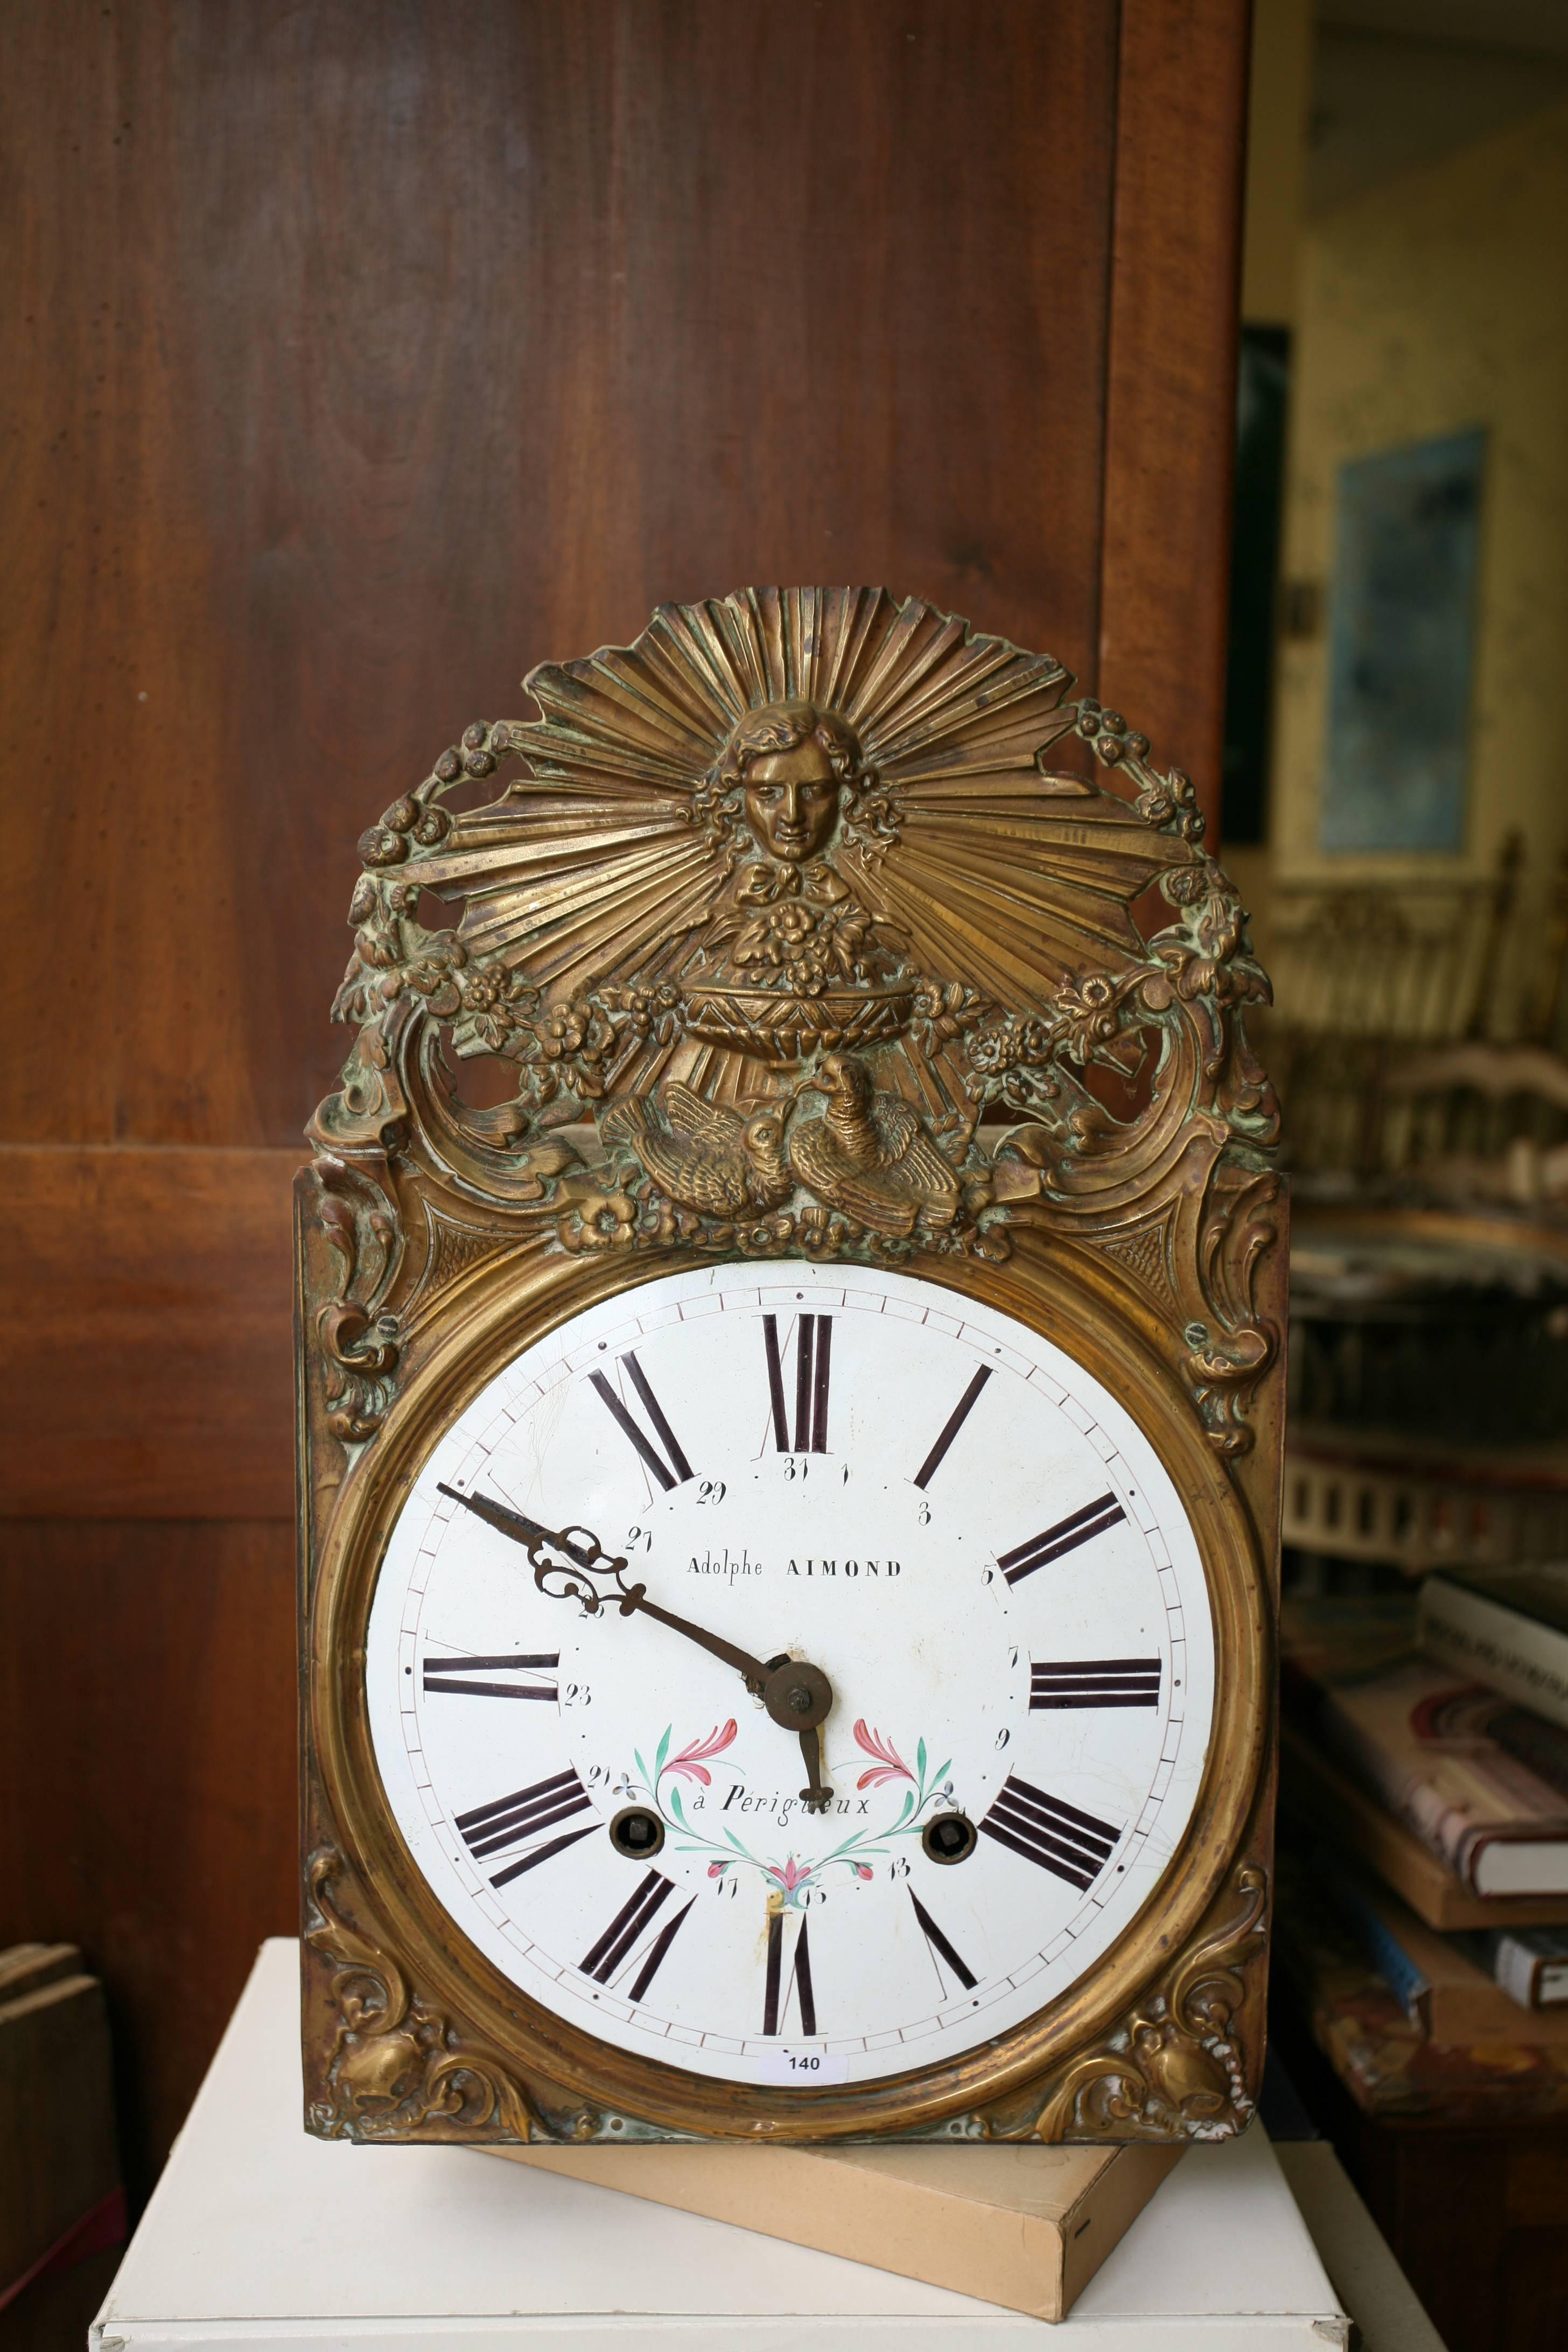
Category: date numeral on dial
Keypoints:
(463, 1674)
(510, 1821)
(1072, 1844)
(671, 1468)
(1096, 1681)
(1077, 1528)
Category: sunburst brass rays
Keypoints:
(617, 858)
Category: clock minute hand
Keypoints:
(756, 1673)
(517, 1524)
(584, 1551)
(797, 1697)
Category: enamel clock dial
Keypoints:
(793, 1675)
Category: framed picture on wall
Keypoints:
(1401, 629)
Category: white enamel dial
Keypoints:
(943, 1513)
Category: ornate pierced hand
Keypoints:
(798, 1697)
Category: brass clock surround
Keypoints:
(435, 1242)
(509, 1309)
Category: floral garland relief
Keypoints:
(793, 1880)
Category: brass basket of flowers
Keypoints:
(783, 1025)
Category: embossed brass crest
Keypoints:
(810, 925)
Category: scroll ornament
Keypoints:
(1174, 2069)
(396, 2065)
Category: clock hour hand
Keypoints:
(817, 1796)
(584, 1551)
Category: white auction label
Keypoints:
(803, 2066)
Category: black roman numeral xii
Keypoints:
(813, 1367)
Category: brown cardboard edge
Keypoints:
(1122, 2192)
(1032, 2264)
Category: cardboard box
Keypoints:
(1026, 2227)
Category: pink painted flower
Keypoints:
(862, 1870)
(717, 1869)
(689, 1763)
(891, 1765)
(791, 1875)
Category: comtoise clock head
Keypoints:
(791, 1494)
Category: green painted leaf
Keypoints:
(663, 1749)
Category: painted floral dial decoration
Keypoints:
(737, 1491)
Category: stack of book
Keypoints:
(1426, 1755)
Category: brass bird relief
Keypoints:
(804, 925)
(708, 1158)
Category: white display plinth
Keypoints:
(261, 2236)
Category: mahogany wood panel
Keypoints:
(366, 355)
(147, 1744)
(361, 357)
(145, 1349)
(1171, 387)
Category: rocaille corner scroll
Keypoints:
(1176, 2067)
(797, 934)
(394, 2066)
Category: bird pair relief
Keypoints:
(867, 1156)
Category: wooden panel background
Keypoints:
(365, 354)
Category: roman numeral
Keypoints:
(677, 1469)
(1076, 1528)
(509, 1819)
(939, 1944)
(458, 1675)
(1073, 1845)
(951, 1427)
(812, 1363)
(636, 1913)
(800, 1979)
(1096, 1681)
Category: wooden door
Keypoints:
(362, 356)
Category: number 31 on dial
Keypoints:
(793, 1674)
